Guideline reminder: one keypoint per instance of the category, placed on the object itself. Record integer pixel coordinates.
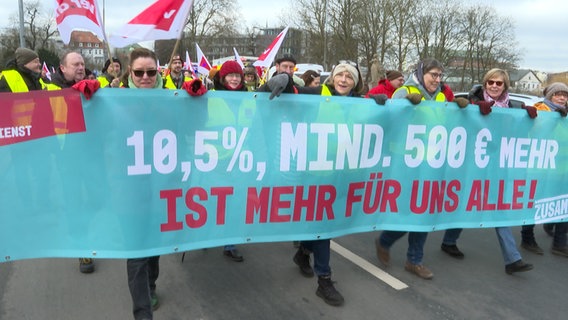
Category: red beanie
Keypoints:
(230, 66)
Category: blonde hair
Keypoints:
(496, 72)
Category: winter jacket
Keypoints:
(17, 79)
(383, 87)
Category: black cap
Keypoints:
(107, 64)
(286, 57)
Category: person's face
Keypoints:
(249, 77)
(495, 87)
(74, 67)
(114, 69)
(176, 66)
(432, 80)
(398, 82)
(343, 83)
(144, 72)
(34, 65)
(286, 67)
(233, 80)
(316, 82)
(560, 98)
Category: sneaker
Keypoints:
(418, 270)
(549, 229)
(234, 255)
(518, 266)
(327, 291)
(86, 265)
(452, 250)
(532, 246)
(303, 261)
(383, 254)
(154, 302)
(560, 251)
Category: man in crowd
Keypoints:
(23, 73)
(175, 78)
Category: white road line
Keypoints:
(369, 267)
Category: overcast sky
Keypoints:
(541, 26)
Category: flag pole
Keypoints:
(176, 46)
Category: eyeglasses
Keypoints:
(561, 94)
(436, 75)
(498, 83)
(140, 73)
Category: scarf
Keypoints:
(502, 101)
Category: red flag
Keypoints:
(73, 14)
(164, 19)
(189, 66)
(266, 58)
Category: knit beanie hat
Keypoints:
(230, 66)
(393, 74)
(554, 88)
(349, 68)
(107, 64)
(25, 55)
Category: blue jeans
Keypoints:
(321, 251)
(504, 235)
(142, 276)
(451, 236)
(416, 241)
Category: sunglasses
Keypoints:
(140, 73)
(498, 83)
(349, 62)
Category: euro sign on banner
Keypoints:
(158, 171)
(75, 14)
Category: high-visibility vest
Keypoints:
(441, 97)
(170, 84)
(15, 81)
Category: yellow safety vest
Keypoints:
(441, 97)
(15, 81)
(170, 84)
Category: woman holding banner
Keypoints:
(493, 93)
(143, 272)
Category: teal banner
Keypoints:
(149, 172)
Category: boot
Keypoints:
(327, 291)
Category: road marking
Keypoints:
(369, 267)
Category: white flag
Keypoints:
(70, 16)
(203, 66)
(266, 58)
(45, 69)
(238, 58)
(164, 19)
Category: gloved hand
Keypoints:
(485, 106)
(461, 102)
(531, 111)
(563, 112)
(379, 98)
(277, 84)
(194, 87)
(414, 98)
(87, 87)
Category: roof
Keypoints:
(84, 37)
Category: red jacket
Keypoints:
(383, 87)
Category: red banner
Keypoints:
(39, 114)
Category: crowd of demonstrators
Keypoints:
(425, 83)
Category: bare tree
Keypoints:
(312, 20)
(373, 34)
(400, 12)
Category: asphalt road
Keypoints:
(268, 285)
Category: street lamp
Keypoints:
(21, 5)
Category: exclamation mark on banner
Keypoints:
(532, 191)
